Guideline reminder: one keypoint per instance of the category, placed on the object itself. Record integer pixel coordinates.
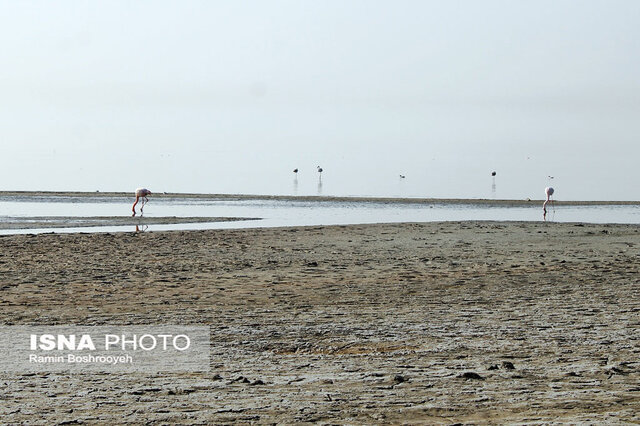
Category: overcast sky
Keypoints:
(229, 96)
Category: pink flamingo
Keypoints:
(141, 194)
(549, 192)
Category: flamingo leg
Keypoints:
(133, 209)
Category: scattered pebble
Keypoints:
(399, 378)
(471, 375)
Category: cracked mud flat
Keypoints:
(473, 322)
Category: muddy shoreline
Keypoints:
(45, 222)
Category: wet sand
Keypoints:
(433, 323)
(45, 222)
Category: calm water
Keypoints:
(276, 213)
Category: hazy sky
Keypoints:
(230, 96)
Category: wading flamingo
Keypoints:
(549, 192)
(141, 194)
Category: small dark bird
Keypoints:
(493, 173)
(402, 176)
(319, 169)
(295, 170)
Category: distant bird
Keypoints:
(141, 194)
(548, 192)
(402, 176)
(295, 171)
(319, 169)
(493, 182)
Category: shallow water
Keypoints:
(279, 213)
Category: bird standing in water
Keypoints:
(141, 194)
(548, 192)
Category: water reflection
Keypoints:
(552, 212)
(294, 212)
(141, 228)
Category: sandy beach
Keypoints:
(433, 323)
